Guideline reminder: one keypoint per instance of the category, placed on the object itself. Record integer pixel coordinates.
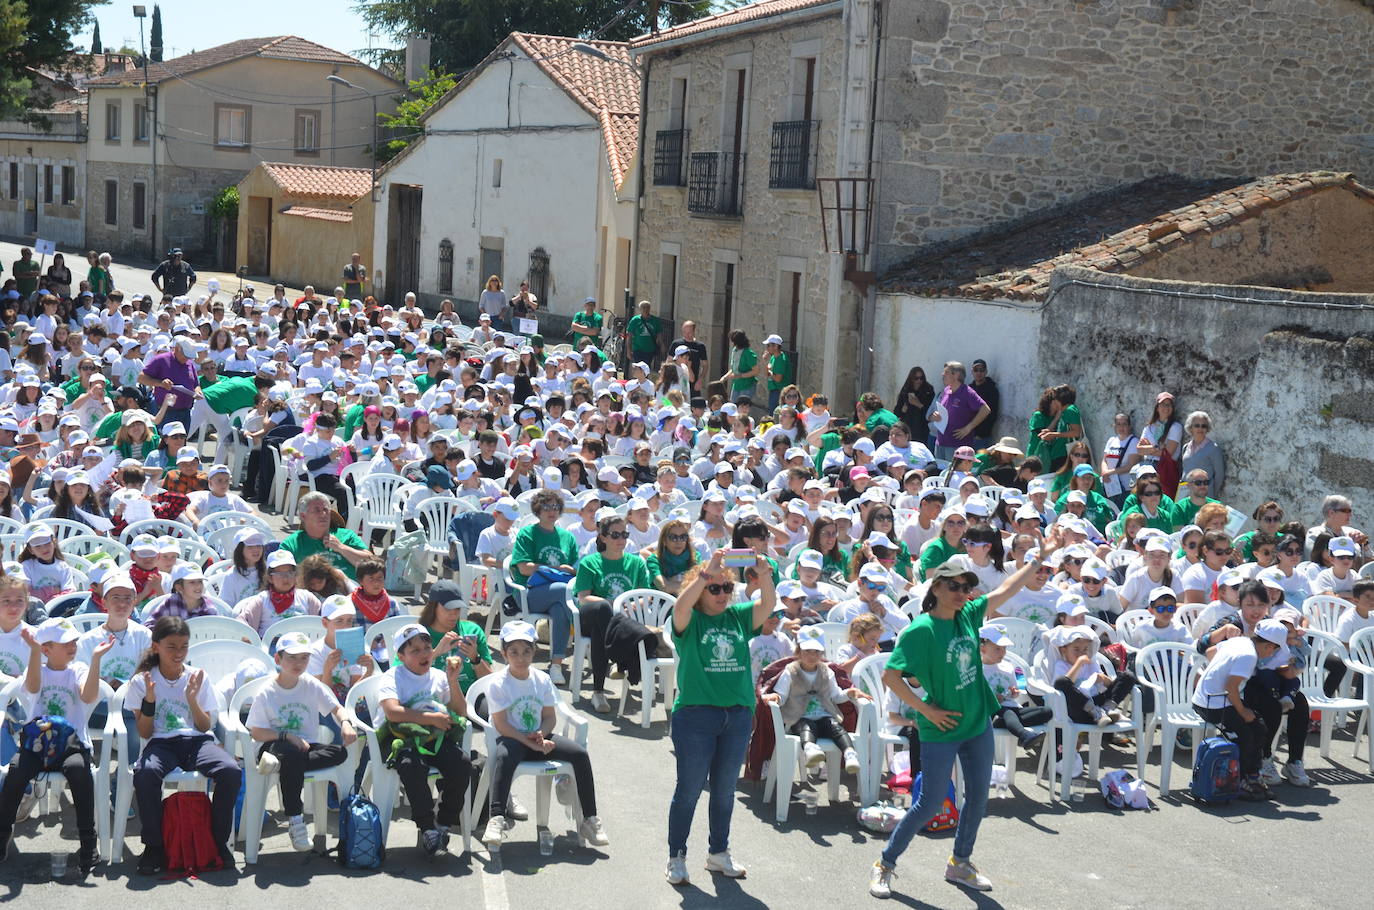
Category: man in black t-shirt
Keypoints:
(696, 352)
(176, 275)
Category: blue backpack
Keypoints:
(362, 844)
(1216, 772)
(49, 737)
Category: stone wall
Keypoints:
(1286, 376)
(780, 230)
(990, 109)
(180, 190)
(119, 239)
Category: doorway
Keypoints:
(723, 315)
(403, 242)
(31, 199)
(259, 235)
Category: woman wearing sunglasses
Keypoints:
(1268, 518)
(948, 544)
(670, 560)
(1214, 555)
(940, 649)
(601, 578)
(714, 710)
(1150, 503)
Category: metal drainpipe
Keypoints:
(870, 305)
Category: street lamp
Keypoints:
(340, 80)
(141, 13)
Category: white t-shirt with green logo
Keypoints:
(119, 662)
(59, 695)
(523, 700)
(172, 716)
(425, 693)
(14, 652)
(295, 710)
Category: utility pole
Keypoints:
(141, 13)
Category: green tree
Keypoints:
(36, 33)
(423, 95)
(462, 32)
(155, 36)
(96, 46)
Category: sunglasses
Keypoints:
(956, 522)
(678, 538)
(716, 590)
(1271, 518)
(617, 535)
(1342, 509)
(1089, 580)
(1291, 551)
(1348, 558)
(1190, 546)
(1200, 483)
(1164, 608)
(282, 570)
(1151, 493)
(875, 586)
(1076, 561)
(960, 587)
(967, 544)
(1225, 552)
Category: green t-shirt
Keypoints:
(467, 676)
(1097, 510)
(591, 321)
(1185, 511)
(748, 359)
(880, 418)
(299, 545)
(25, 273)
(1246, 544)
(829, 443)
(1055, 449)
(73, 390)
(1163, 521)
(99, 280)
(713, 666)
(543, 548)
(1132, 503)
(643, 333)
(609, 578)
(942, 654)
(422, 382)
(352, 420)
(231, 394)
(937, 553)
(781, 364)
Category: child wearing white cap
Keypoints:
(41, 560)
(521, 704)
(809, 695)
(416, 693)
(249, 574)
(217, 498)
(281, 599)
(57, 685)
(1008, 683)
(187, 598)
(285, 719)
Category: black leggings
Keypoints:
(510, 752)
(595, 618)
(295, 764)
(1250, 737)
(811, 729)
(76, 767)
(1335, 673)
(455, 770)
(913, 743)
(1078, 703)
(1015, 720)
(1264, 701)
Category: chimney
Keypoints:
(417, 58)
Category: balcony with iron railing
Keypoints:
(670, 156)
(792, 161)
(715, 184)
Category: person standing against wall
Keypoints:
(986, 387)
(354, 277)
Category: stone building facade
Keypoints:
(769, 92)
(992, 109)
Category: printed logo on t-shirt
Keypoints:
(120, 668)
(962, 655)
(55, 701)
(615, 585)
(167, 717)
(11, 664)
(525, 712)
(720, 645)
(291, 717)
(551, 556)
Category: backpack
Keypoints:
(1216, 772)
(947, 819)
(407, 561)
(50, 736)
(362, 843)
(186, 835)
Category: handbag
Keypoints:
(547, 575)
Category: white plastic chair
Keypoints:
(571, 725)
(883, 739)
(1024, 635)
(1361, 651)
(158, 527)
(433, 516)
(1127, 623)
(1171, 670)
(63, 528)
(650, 608)
(1323, 611)
(785, 765)
(836, 636)
(236, 520)
(11, 691)
(485, 587)
(223, 628)
(89, 545)
(385, 783)
(1005, 744)
(1367, 570)
(311, 626)
(257, 785)
(198, 552)
(220, 659)
(380, 502)
(59, 605)
(1313, 678)
(386, 628)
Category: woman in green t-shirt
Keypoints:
(948, 543)
(714, 710)
(545, 545)
(939, 650)
(601, 578)
(670, 560)
(450, 635)
(1055, 423)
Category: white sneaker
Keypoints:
(599, 703)
(516, 811)
(851, 761)
(967, 875)
(1296, 774)
(1269, 774)
(880, 880)
(494, 833)
(677, 869)
(1101, 718)
(722, 863)
(268, 763)
(300, 834)
(556, 674)
(812, 755)
(592, 832)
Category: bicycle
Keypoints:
(613, 339)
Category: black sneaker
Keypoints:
(226, 855)
(87, 858)
(5, 846)
(1032, 739)
(152, 861)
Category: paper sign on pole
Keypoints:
(44, 247)
(527, 326)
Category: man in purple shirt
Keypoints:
(176, 367)
(962, 408)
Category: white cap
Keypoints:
(995, 634)
(507, 507)
(791, 588)
(58, 631)
(1162, 591)
(337, 605)
(184, 571)
(773, 339)
(810, 638)
(874, 573)
(1341, 546)
(1272, 631)
(117, 580)
(294, 643)
(280, 558)
(810, 559)
(517, 630)
(405, 634)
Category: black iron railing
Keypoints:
(715, 183)
(670, 147)
(792, 163)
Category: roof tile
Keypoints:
(320, 182)
(748, 13)
(306, 211)
(280, 47)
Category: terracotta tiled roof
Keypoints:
(1110, 232)
(760, 10)
(320, 182)
(281, 47)
(305, 211)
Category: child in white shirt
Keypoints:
(807, 692)
(1163, 627)
(1008, 684)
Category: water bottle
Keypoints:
(59, 865)
(809, 801)
(545, 842)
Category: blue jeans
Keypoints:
(773, 396)
(177, 415)
(937, 764)
(944, 453)
(552, 601)
(709, 744)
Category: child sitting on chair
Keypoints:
(1091, 695)
(1009, 685)
(807, 694)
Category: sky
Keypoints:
(189, 25)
